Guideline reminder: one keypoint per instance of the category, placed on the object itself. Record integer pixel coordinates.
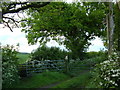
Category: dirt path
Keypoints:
(50, 86)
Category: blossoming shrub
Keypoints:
(107, 73)
(9, 66)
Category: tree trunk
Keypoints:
(119, 4)
(110, 28)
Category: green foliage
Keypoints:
(40, 80)
(117, 28)
(46, 53)
(9, 66)
(92, 54)
(75, 22)
(107, 73)
(101, 53)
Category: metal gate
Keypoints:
(36, 66)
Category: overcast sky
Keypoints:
(12, 38)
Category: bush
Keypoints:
(93, 54)
(9, 66)
(107, 73)
(46, 53)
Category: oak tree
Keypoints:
(76, 23)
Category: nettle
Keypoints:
(107, 73)
(9, 66)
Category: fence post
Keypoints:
(0, 15)
(26, 69)
(67, 64)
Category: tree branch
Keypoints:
(13, 8)
(11, 19)
(8, 26)
(14, 21)
(31, 5)
(16, 3)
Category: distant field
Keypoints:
(23, 57)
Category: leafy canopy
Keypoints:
(70, 24)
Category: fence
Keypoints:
(72, 66)
(78, 66)
(41, 66)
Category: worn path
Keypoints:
(50, 86)
(54, 84)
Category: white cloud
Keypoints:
(97, 41)
(97, 45)
(55, 44)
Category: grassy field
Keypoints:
(40, 80)
(23, 57)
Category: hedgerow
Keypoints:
(107, 73)
(9, 66)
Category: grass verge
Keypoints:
(76, 82)
(40, 80)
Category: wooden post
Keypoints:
(0, 16)
(67, 64)
(27, 69)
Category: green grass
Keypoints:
(40, 80)
(76, 82)
(91, 84)
(80, 80)
(22, 58)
